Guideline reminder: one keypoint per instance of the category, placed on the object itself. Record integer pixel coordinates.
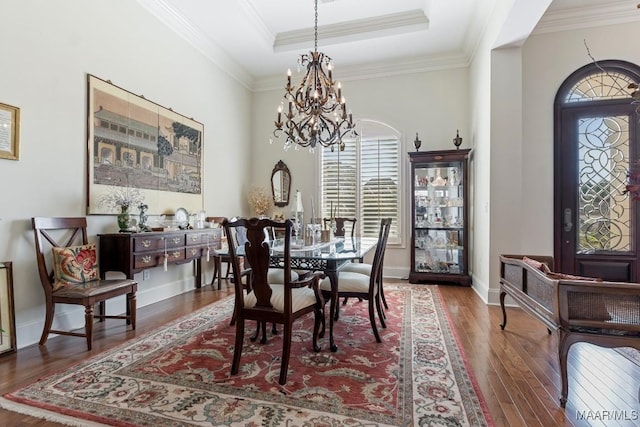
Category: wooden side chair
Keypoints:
(266, 302)
(364, 268)
(340, 231)
(364, 286)
(218, 259)
(341, 225)
(67, 265)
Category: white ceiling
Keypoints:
(255, 40)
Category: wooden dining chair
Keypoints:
(365, 286)
(68, 273)
(365, 268)
(218, 259)
(266, 302)
(341, 225)
(340, 231)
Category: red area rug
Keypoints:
(179, 375)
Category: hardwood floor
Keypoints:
(516, 369)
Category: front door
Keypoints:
(596, 145)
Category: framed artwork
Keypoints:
(9, 132)
(7, 314)
(137, 146)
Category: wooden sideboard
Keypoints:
(132, 253)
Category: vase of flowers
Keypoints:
(123, 198)
(260, 201)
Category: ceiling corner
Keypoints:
(196, 38)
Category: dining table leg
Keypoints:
(333, 279)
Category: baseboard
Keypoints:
(396, 272)
(70, 317)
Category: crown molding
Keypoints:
(395, 23)
(256, 21)
(196, 38)
(401, 66)
(587, 16)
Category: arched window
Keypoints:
(599, 84)
(364, 180)
(596, 142)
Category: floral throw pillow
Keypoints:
(74, 265)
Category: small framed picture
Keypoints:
(7, 314)
(9, 132)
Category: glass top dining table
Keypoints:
(327, 257)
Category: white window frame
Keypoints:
(365, 130)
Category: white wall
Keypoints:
(48, 48)
(434, 104)
(522, 168)
(481, 94)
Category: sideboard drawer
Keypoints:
(195, 239)
(195, 252)
(204, 238)
(175, 241)
(146, 261)
(147, 243)
(175, 254)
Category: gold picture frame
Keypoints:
(7, 313)
(9, 132)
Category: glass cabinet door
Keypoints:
(439, 219)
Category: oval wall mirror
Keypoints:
(280, 184)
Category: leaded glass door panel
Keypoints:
(603, 219)
(596, 144)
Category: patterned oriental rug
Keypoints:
(179, 375)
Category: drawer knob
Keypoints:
(176, 254)
(146, 259)
(176, 240)
(194, 251)
(194, 238)
(146, 243)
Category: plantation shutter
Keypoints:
(339, 181)
(378, 186)
(363, 182)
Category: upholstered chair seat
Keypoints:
(300, 298)
(349, 282)
(276, 275)
(356, 267)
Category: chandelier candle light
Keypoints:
(317, 112)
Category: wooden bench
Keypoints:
(592, 311)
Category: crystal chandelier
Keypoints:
(317, 112)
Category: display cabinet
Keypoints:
(440, 215)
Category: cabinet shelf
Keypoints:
(439, 250)
(436, 227)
